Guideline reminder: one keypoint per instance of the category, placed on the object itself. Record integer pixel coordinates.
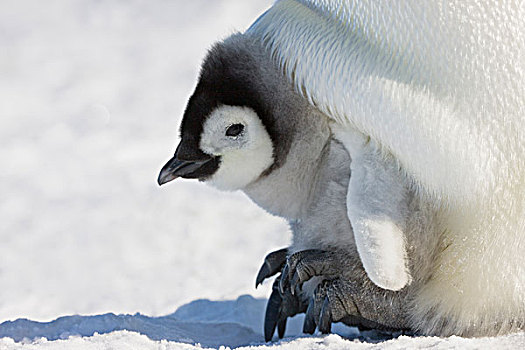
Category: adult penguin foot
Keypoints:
(345, 293)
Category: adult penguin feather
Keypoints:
(440, 85)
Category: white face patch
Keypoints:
(244, 156)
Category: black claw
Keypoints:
(273, 263)
(272, 314)
(281, 328)
(295, 282)
(302, 266)
(264, 272)
(309, 320)
(325, 320)
(284, 279)
(315, 307)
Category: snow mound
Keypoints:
(211, 324)
(229, 323)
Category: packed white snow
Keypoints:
(92, 253)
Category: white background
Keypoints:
(91, 95)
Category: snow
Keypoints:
(210, 324)
(92, 253)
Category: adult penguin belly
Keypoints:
(440, 86)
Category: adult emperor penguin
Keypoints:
(436, 87)
(440, 86)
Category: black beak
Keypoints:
(189, 162)
(175, 168)
(202, 168)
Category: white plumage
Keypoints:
(245, 156)
(439, 85)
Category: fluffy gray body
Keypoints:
(310, 190)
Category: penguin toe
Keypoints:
(337, 300)
(303, 265)
(273, 263)
(279, 308)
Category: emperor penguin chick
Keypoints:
(246, 128)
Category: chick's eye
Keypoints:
(234, 130)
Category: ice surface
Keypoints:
(91, 93)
